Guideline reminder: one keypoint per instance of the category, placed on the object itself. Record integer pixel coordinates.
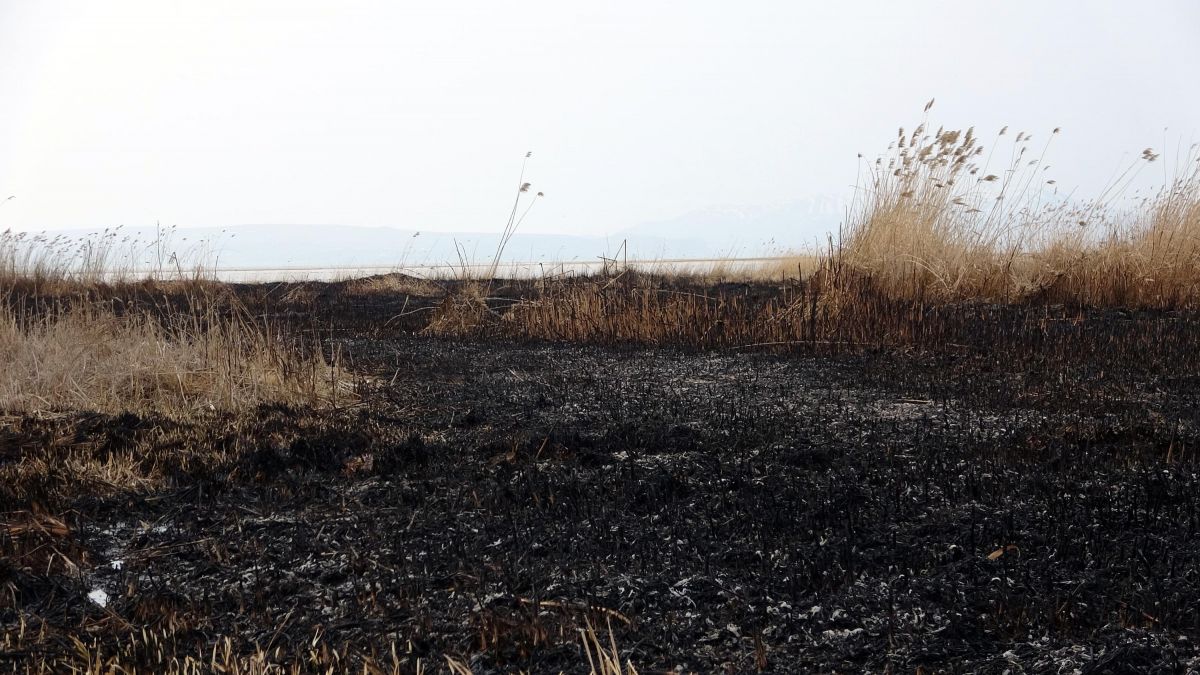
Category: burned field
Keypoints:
(998, 499)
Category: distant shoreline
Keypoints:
(515, 269)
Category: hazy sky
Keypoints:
(417, 114)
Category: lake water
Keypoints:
(508, 270)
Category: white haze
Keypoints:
(669, 117)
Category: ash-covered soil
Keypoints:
(723, 512)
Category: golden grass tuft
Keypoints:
(1148, 257)
(78, 333)
(933, 220)
(936, 220)
(85, 358)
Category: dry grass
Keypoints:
(395, 284)
(603, 656)
(942, 231)
(936, 220)
(76, 333)
(681, 311)
(799, 265)
(40, 260)
(43, 263)
(86, 358)
(179, 368)
(169, 651)
(795, 265)
(1148, 256)
(637, 309)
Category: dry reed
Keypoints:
(936, 220)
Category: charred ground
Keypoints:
(1020, 493)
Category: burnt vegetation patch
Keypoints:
(897, 485)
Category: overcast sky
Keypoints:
(417, 114)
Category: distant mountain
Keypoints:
(346, 246)
(714, 232)
(309, 246)
(751, 230)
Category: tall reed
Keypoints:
(939, 217)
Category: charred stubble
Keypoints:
(488, 498)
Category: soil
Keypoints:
(718, 511)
